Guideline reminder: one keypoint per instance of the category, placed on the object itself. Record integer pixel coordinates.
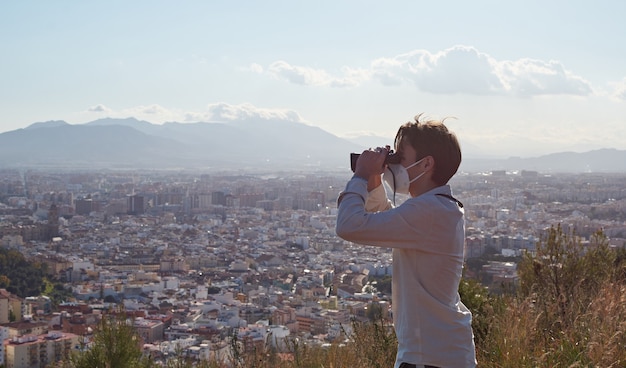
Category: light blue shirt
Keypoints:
(427, 234)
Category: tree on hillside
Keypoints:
(21, 277)
(25, 278)
(116, 344)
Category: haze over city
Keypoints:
(520, 78)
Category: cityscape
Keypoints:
(169, 178)
(194, 257)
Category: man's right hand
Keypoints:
(370, 166)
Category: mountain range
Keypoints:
(244, 145)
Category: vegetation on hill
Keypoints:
(115, 345)
(19, 276)
(568, 310)
(24, 278)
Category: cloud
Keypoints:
(620, 91)
(98, 108)
(227, 112)
(255, 68)
(218, 112)
(351, 77)
(152, 112)
(137, 111)
(527, 77)
(153, 109)
(456, 70)
(315, 77)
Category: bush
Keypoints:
(115, 345)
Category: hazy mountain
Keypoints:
(47, 124)
(239, 145)
(140, 125)
(602, 160)
(118, 143)
(84, 146)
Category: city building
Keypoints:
(34, 351)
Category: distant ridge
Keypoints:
(131, 143)
(605, 160)
(47, 124)
(245, 145)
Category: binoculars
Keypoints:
(392, 158)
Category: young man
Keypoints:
(427, 234)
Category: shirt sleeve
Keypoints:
(356, 186)
(415, 224)
(377, 200)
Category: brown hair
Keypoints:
(432, 138)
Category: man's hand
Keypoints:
(371, 165)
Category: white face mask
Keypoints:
(397, 177)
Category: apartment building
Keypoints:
(36, 351)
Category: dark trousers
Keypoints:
(407, 365)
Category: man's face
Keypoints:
(407, 152)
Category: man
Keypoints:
(427, 234)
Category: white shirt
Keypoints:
(427, 234)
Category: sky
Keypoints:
(513, 78)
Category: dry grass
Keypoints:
(371, 344)
(595, 338)
(571, 311)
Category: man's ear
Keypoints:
(429, 162)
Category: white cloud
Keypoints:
(227, 112)
(153, 110)
(527, 77)
(222, 112)
(151, 113)
(620, 90)
(388, 71)
(98, 108)
(299, 74)
(255, 68)
(352, 77)
(456, 70)
(315, 77)
(459, 69)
